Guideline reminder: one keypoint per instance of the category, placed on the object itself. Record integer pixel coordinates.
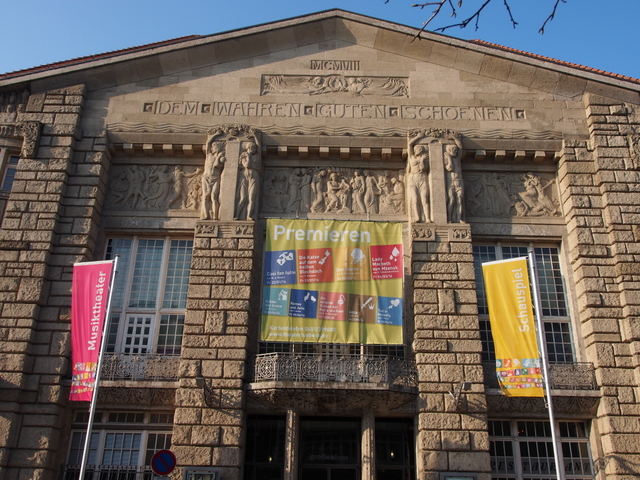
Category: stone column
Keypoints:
(368, 446)
(447, 349)
(292, 447)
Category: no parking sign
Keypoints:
(163, 462)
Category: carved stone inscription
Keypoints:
(317, 85)
(335, 190)
(150, 187)
(511, 194)
(332, 110)
(335, 65)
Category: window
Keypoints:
(9, 173)
(523, 450)
(395, 455)
(265, 448)
(555, 313)
(122, 444)
(150, 295)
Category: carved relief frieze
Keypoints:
(494, 194)
(320, 84)
(155, 187)
(334, 190)
(420, 232)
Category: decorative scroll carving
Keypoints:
(135, 187)
(337, 190)
(30, 131)
(510, 194)
(317, 85)
(461, 233)
(14, 101)
(206, 230)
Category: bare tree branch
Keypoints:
(475, 18)
(550, 17)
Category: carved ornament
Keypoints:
(511, 194)
(422, 233)
(14, 101)
(155, 187)
(321, 84)
(30, 131)
(333, 190)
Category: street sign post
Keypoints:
(163, 462)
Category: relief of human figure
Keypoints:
(359, 188)
(137, 181)
(535, 197)
(160, 177)
(372, 192)
(249, 181)
(194, 188)
(418, 180)
(178, 187)
(454, 182)
(295, 195)
(305, 191)
(318, 189)
(211, 176)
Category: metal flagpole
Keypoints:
(94, 398)
(542, 346)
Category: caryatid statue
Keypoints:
(211, 177)
(454, 182)
(417, 182)
(248, 179)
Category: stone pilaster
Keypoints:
(601, 210)
(447, 350)
(209, 415)
(50, 223)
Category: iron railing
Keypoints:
(109, 472)
(301, 367)
(563, 376)
(140, 367)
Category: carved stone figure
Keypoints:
(418, 180)
(248, 181)
(295, 195)
(211, 176)
(178, 187)
(160, 178)
(396, 198)
(509, 194)
(372, 193)
(454, 182)
(194, 186)
(305, 191)
(535, 197)
(358, 188)
(318, 188)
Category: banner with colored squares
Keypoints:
(330, 281)
(518, 365)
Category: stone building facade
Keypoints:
(173, 155)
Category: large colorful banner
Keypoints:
(89, 297)
(518, 364)
(328, 281)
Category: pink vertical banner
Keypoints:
(89, 298)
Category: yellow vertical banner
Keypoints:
(330, 281)
(518, 365)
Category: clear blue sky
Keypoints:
(597, 33)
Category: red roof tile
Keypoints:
(553, 60)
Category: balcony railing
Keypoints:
(109, 472)
(140, 367)
(300, 367)
(563, 376)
